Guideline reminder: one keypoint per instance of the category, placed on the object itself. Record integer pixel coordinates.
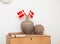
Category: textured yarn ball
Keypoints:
(38, 29)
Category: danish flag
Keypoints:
(21, 14)
(31, 14)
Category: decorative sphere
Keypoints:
(38, 29)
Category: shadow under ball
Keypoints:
(39, 29)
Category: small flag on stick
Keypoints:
(31, 14)
(21, 14)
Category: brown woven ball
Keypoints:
(38, 29)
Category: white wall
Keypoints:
(47, 12)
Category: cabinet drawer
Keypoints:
(30, 40)
(20, 40)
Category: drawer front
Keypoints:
(40, 40)
(20, 41)
(30, 40)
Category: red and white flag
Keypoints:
(31, 14)
(21, 14)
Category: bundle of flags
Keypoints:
(22, 13)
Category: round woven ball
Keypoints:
(39, 29)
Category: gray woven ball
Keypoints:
(39, 29)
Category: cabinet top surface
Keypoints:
(18, 36)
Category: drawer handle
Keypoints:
(30, 38)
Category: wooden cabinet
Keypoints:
(29, 39)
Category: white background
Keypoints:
(47, 13)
